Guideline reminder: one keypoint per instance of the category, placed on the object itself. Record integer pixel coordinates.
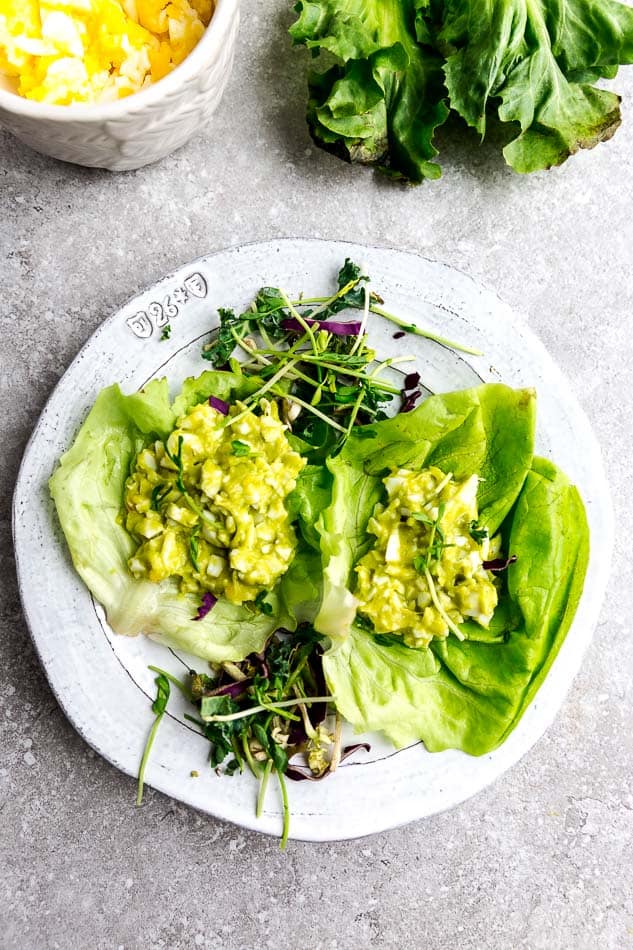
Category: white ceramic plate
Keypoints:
(101, 680)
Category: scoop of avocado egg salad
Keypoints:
(332, 541)
(425, 574)
(208, 504)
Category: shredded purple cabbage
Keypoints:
(499, 564)
(232, 690)
(412, 381)
(338, 328)
(219, 405)
(299, 773)
(259, 660)
(207, 604)
(409, 400)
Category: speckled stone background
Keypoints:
(542, 859)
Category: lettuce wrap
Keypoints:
(88, 488)
(467, 695)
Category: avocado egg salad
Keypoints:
(332, 546)
(209, 508)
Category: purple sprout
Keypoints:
(219, 405)
(208, 603)
(299, 773)
(232, 690)
(338, 328)
(409, 400)
(499, 564)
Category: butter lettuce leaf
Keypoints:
(88, 488)
(535, 62)
(487, 430)
(382, 103)
(403, 65)
(223, 385)
(344, 540)
(470, 695)
(301, 587)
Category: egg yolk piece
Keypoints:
(68, 51)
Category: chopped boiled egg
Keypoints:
(67, 51)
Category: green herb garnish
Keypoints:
(436, 543)
(159, 494)
(262, 604)
(478, 532)
(194, 547)
(240, 448)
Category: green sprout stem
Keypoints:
(302, 322)
(307, 725)
(248, 755)
(244, 713)
(436, 602)
(286, 811)
(355, 411)
(363, 324)
(274, 708)
(252, 400)
(417, 331)
(306, 405)
(263, 785)
(379, 311)
(328, 301)
(339, 368)
(283, 356)
(145, 758)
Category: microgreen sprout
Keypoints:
(254, 710)
(261, 712)
(323, 365)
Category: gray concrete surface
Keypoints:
(544, 858)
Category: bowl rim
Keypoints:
(98, 112)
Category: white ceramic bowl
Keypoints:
(139, 129)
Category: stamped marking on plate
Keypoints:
(158, 314)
